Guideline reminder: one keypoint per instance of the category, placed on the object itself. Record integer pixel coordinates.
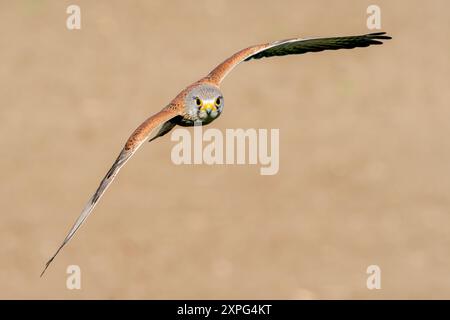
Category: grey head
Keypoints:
(203, 103)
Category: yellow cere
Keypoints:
(209, 106)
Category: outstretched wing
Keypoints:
(294, 46)
(139, 136)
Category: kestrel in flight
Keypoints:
(203, 102)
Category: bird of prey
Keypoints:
(203, 102)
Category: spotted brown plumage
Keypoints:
(199, 103)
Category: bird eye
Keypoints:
(198, 102)
(218, 101)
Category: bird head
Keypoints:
(204, 103)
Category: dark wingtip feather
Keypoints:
(375, 42)
(46, 266)
(379, 36)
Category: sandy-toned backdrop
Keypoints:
(364, 147)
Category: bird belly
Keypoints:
(187, 122)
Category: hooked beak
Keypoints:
(208, 108)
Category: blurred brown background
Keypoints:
(364, 152)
